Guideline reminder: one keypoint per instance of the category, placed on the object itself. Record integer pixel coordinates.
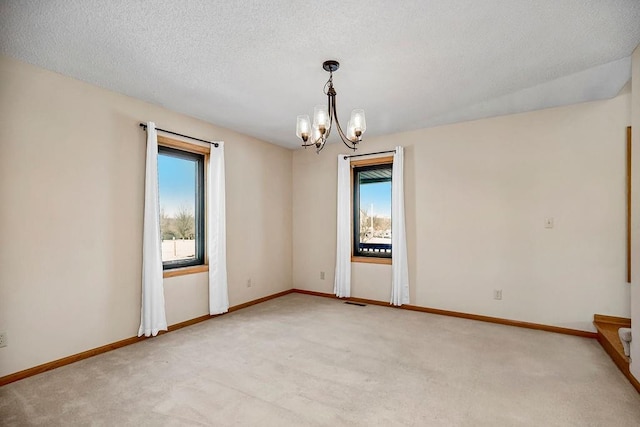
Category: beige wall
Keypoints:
(71, 194)
(71, 190)
(635, 213)
(477, 194)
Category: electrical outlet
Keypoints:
(3, 339)
(322, 275)
(248, 283)
(497, 294)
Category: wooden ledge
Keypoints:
(371, 260)
(623, 322)
(607, 327)
(174, 272)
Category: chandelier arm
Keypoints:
(313, 142)
(343, 137)
(331, 114)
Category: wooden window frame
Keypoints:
(200, 264)
(356, 164)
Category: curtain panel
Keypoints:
(152, 313)
(342, 282)
(217, 241)
(399, 262)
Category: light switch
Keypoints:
(548, 222)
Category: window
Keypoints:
(372, 208)
(181, 194)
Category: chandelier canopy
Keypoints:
(324, 116)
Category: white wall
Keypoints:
(477, 194)
(635, 214)
(71, 203)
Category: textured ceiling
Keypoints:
(253, 66)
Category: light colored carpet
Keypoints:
(303, 360)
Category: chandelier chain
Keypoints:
(329, 84)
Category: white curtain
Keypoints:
(342, 283)
(217, 243)
(152, 314)
(399, 263)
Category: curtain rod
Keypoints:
(215, 144)
(369, 154)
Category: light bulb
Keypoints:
(303, 127)
(320, 118)
(317, 136)
(351, 131)
(358, 121)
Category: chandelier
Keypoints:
(324, 116)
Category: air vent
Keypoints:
(355, 303)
